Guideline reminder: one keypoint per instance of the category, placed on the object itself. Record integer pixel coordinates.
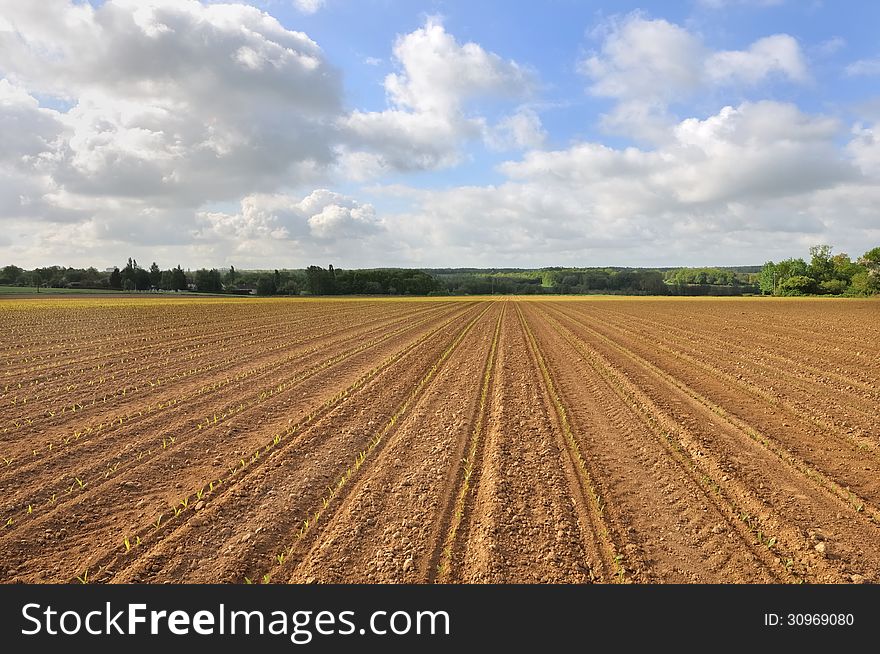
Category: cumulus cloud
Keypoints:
(32, 144)
(323, 215)
(308, 6)
(519, 131)
(720, 189)
(864, 67)
(642, 58)
(175, 99)
(427, 120)
(779, 53)
(865, 149)
(646, 65)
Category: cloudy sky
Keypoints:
(437, 133)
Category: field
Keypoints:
(459, 440)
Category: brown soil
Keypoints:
(440, 441)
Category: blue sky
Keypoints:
(440, 133)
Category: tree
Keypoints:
(767, 278)
(317, 280)
(142, 280)
(128, 273)
(871, 261)
(266, 285)
(208, 281)
(790, 268)
(821, 264)
(155, 275)
(860, 285)
(231, 276)
(844, 267)
(799, 285)
(115, 279)
(10, 275)
(833, 286)
(178, 279)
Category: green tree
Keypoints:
(799, 285)
(116, 279)
(821, 264)
(318, 280)
(155, 275)
(767, 278)
(208, 281)
(871, 261)
(178, 279)
(833, 286)
(266, 285)
(10, 275)
(790, 268)
(128, 273)
(141, 279)
(860, 285)
(231, 276)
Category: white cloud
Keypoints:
(323, 215)
(865, 149)
(33, 142)
(719, 191)
(308, 6)
(427, 121)
(647, 65)
(439, 74)
(519, 131)
(778, 54)
(175, 100)
(864, 67)
(645, 59)
(830, 46)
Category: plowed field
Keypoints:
(456, 440)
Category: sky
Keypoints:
(432, 133)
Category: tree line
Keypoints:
(825, 274)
